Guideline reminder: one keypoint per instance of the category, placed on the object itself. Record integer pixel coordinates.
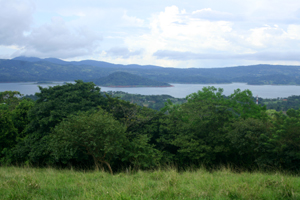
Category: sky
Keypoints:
(181, 34)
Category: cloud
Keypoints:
(153, 32)
(52, 39)
(108, 20)
(123, 52)
(176, 30)
(213, 15)
(131, 20)
(57, 37)
(15, 19)
(203, 35)
(260, 56)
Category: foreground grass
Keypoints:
(30, 183)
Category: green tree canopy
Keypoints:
(199, 127)
(13, 119)
(283, 145)
(97, 134)
(10, 99)
(53, 105)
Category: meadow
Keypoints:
(50, 183)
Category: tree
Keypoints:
(137, 120)
(10, 98)
(283, 145)
(243, 105)
(95, 133)
(20, 117)
(13, 119)
(8, 132)
(199, 127)
(52, 106)
(56, 103)
(247, 138)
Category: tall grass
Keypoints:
(49, 183)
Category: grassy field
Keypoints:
(48, 183)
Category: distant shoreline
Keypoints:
(133, 86)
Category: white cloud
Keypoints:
(57, 39)
(123, 52)
(274, 38)
(179, 31)
(209, 14)
(261, 56)
(52, 39)
(293, 31)
(172, 30)
(131, 21)
(15, 19)
(133, 32)
(204, 34)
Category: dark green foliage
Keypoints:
(283, 145)
(199, 128)
(20, 116)
(31, 96)
(13, 121)
(281, 104)
(53, 105)
(75, 124)
(56, 103)
(243, 105)
(155, 102)
(8, 132)
(10, 99)
(95, 133)
(138, 152)
(246, 138)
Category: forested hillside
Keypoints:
(75, 124)
(119, 79)
(51, 69)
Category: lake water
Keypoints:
(178, 91)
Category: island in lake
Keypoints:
(124, 79)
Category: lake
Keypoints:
(178, 91)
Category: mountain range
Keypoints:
(52, 69)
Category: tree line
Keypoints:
(282, 104)
(75, 124)
(156, 102)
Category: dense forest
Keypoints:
(156, 102)
(77, 125)
(282, 104)
(52, 69)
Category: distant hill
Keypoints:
(123, 79)
(93, 63)
(52, 69)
